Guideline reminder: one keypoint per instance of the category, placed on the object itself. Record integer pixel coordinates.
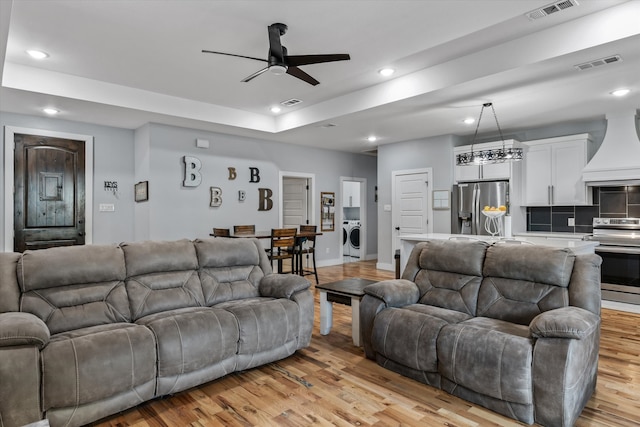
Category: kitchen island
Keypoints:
(579, 247)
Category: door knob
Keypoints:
(398, 228)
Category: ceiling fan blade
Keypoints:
(297, 72)
(254, 75)
(233, 54)
(297, 60)
(275, 46)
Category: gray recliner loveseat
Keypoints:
(88, 331)
(513, 328)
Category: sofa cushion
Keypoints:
(539, 264)
(162, 276)
(190, 339)
(488, 356)
(229, 269)
(408, 335)
(449, 275)
(90, 364)
(74, 287)
(264, 323)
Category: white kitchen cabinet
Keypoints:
(488, 172)
(553, 171)
(351, 194)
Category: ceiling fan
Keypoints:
(279, 62)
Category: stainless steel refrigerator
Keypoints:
(471, 198)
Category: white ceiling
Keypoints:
(127, 63)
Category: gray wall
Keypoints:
(154, 153)
(113, 161)
(435, 153)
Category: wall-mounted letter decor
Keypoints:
(328, 211)
(242, 195)
(192, 175)
(265, 203)
(232, 174)
(216, 197)
(255, 175)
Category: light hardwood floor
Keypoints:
(331, 383)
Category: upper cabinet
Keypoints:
(351, 194)
(553, 171)
(486, 172)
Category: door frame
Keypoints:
(363, 214)
(9, 159)
(394, 210)
(311, 203)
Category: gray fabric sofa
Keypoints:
(513, 328)
(88, 331)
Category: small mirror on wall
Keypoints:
(328, 211)
(441, 200)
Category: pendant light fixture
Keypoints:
(496, 155)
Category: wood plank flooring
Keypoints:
(331, 383)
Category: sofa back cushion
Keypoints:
(449, 273)
(230, 269)
(74, 287)
(161, 276)
(522, 281)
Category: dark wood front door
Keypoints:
(49, 198)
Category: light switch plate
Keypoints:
(387, 208)
(571, 222)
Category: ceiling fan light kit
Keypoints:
(279, 62)
(497, 155)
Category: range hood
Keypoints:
(617, 161)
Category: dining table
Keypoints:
(301, 236)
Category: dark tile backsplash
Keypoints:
(608, 202)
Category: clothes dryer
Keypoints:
(354, 238)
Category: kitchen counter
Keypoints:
(579, 247)
(548, 234)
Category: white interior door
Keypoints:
(295, 202)
(410, 210)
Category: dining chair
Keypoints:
(283, 241)
(221, 232)
(244, 229)
(306, 246)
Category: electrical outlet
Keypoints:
(107, 207)
(571, 222)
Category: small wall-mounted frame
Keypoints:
(328, 211)
(141, 191)
(441, 200)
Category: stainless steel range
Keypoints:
(620, 251)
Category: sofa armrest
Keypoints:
(20, 329)
(566, 322)
(282, 285)
(395, 292)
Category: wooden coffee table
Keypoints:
(347, 292)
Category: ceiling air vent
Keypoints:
(328, 125)
(598, 62)
(290, 102)
(551, 8)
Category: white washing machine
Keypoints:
(354, 238)
(345, 239)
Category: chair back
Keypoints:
(244, 229)
(309, 241)
(221, 232)
(283, 239)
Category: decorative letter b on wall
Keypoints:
(192, 175)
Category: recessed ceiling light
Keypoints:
(275, 109)
(386, 72)
(469, 120)
(620, 92)
(50, 111)
(372, 138)
(37, 54)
